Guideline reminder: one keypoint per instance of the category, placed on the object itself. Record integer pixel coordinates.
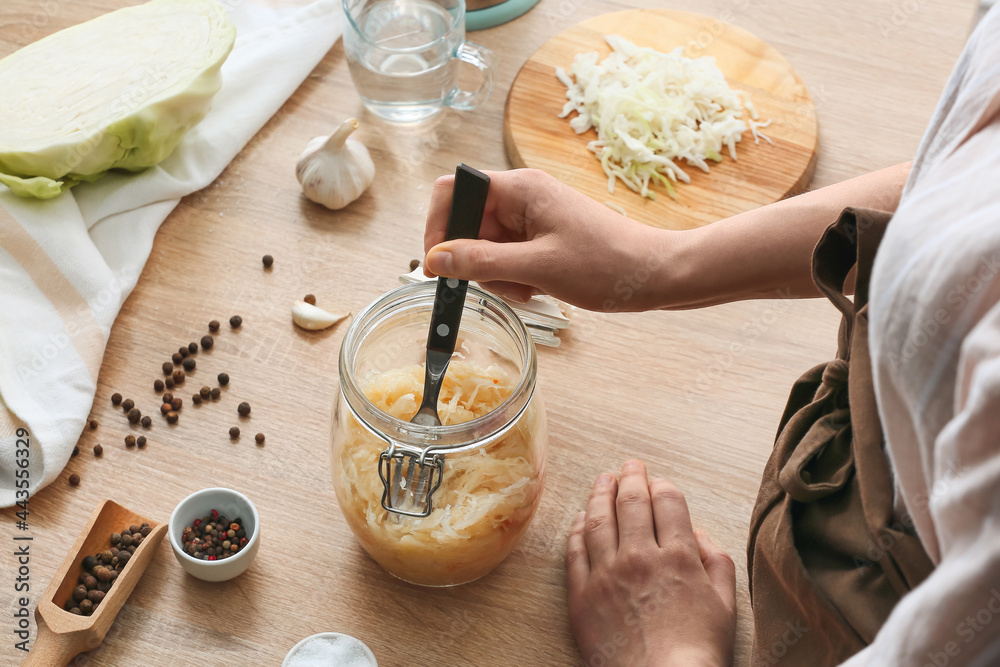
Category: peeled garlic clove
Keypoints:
(312, 317)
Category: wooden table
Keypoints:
(696, 394)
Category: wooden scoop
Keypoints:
(62, 635)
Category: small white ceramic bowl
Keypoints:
(345, 650)
(229, 503)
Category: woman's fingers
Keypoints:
(577, 559)
(634, 511)
(720, 568)
(485, 261)
(671, 517)
(601, 526)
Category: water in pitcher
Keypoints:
(403, 68)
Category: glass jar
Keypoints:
(438, 505)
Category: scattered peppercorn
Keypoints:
(223, 379)
(164, 408)
(213, 326)
(310, 299)
(129, 442)
(207, 342)
(98, 450)
(196, 399)
(414, 263)
(167, 397)
(168, 368)
(178, 377)
(93, 424)
(234, 432)
(183, 351)
(235, 321)
(268, 261)
(259, 438)
(216, 392)
(189, 364)
(146, 421)
(134, 416)
(243, 409)
(192, 347)
(158, 385)
(171, 417)
(169, 383)
(127, 405)
(74, 480)
(76, 450)
(177, 358)
(176, 404)
(116, 399)
(205, 392)
(141, 441)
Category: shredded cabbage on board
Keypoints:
(652, 110)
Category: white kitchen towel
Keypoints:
(67, 264)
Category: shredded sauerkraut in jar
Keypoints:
(486, 498)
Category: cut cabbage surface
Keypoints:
(653, 110)
(119, 91)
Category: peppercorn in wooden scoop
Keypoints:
(63, 635)
(411, 492)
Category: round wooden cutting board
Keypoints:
(536, 137)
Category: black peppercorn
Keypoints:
(223, 379)
(129, 442)
(234, 432)
(259, 438)
(158, 385)
(243, 409)
(207, 342)
(164, 408)
(89, 562)
(145, 530)
(86, 607)
(96, 597)
(167, 397)
(183, 351)
(192, 347)
(89, 582)
(146, 421)
(414, 263)
(177, 358)
(235, 321)
(76, 450)
(168, 368)
(141, 441)
(98, 450)
(169, 383)
(213, 326)
(178, 377)
(116, 538)
(127, 405)
(74, 480)
(116, 399)
(196, 399)
(189, 364)
(80, 593)
(134, 416)
(176, 404)
(310, 299)
(171, 417)
(216, 392)
(268, 261)
(93, 424)
(126, 540)
(205, 392)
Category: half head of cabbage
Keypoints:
(119, 91)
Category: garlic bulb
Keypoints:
(312, 317)
(335, 170)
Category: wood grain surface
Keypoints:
(536, 137)
(696, 394)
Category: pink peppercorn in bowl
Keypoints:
(215, 502)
